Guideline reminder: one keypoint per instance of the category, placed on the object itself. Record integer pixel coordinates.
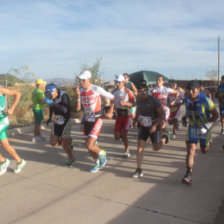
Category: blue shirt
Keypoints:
(199, 112)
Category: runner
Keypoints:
(161, 93)
(220, 96)
(124, 101)
(130, 85)
(201, 112)
(204, 91)
(4, 123)
(89, 97)
(149, 117)
(175, 107)
(38, 109)
(58, 101)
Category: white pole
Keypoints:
(218, 60)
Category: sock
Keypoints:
(189, 170)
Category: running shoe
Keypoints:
(127, 155)
(173, 137)
(95, 169)
(19, 166)
(103, 159)
(70, 163)
(187, 179)
(167, 137)
(138, 173)
(4, 166)
(222, 132)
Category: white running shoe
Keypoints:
(173, 137)
(19, 166)
(127, 155)
(4, 166)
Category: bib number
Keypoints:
(89, 116)
(59, 120)
(145, 121)
(196, 132)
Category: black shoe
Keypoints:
(167, 137)
(138, 173)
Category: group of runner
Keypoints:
(150, 109)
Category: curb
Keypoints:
(21, 130)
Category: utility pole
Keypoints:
(218, 60)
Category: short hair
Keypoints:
(142, 85)
(126, 74)
(222, 77)
(159, 77)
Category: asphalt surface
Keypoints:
(48, 192)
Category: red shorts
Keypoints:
(92, 129)
(123, 123)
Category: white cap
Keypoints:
(119, 78)
(85, 75)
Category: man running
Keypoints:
(38, 109)
(4, 123)
(123, 102)
(175, 105)
(201, 112)
(149, 117)
(59, 104)
(161, 93)
(130, 85)
(220, 95)
(89, 96)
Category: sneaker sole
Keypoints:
(6, 168)
(19, 171)
(186, 182)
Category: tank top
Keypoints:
(2, 106)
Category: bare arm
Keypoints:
(135, 91)
(11, 92)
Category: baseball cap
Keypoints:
(193, 84)
(119, 78)
(85, 75)
(40, 81)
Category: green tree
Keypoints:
(97, 74)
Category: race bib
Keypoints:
(59, 119)
(90, 116)
(196, 132)
(145, 121)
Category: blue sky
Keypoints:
(54, 38)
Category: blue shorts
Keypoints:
(221, 110)
(193, 136)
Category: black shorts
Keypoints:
(143, 134)
(63, 130)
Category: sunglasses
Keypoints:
(118, 82)
(82, 80)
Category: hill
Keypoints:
(11, 79)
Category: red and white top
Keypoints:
(172, 96)
(91, 100)
(161, 93)
(125, 95)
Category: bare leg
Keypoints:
(10, 150)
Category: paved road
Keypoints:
(47, 192)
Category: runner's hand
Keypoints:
(109, 115)
(184, 121)
(204, 128)
(48, 101)
(152, 129)
(48, 121)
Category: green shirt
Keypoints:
(37, 95)
(2, 106)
